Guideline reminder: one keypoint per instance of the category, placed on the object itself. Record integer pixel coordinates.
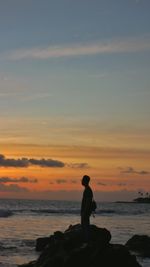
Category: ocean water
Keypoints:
(23, 221)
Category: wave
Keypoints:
(72, 212)
(57, 211)
(101, 211)
(5, 213)
(14, 244)
(34, 212)
(66, 211)
(2, 247)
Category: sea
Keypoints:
(23, 221)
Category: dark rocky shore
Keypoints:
(142, 200)
(68, 249)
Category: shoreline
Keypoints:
(136, 201)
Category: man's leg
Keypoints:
(85, 222)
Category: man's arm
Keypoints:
(87, 203)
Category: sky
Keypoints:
(74, 98)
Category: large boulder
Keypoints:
(74, 236)
(69, 250)
(139, 244)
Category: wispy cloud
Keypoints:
(61, 181)
(17, 180)
(109, 46)
(102, 184)
(12, 188)
(73, 181)
(82, 165)
(131, 170)
(122, 184)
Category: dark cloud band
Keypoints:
(5, 180)
(25, 162)
(47, 163)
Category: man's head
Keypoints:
(85, 180)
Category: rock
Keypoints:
(68, 250)
(74, 236)
(41, 243)
(139, 244)
(30, 264)
(58, 235)
(115, 255)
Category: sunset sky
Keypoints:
(74, 98)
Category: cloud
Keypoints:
(25, 162)
(13, 162)
(61, 181)
(131, 170)
(122, 184)
(51, 182)
(47, 163)
(15, 180)
(12, 188)
(99, 183)
(78, 165)
(107, 47)
(73, 181)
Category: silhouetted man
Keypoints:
(86, 207)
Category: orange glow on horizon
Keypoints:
(103, 165)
